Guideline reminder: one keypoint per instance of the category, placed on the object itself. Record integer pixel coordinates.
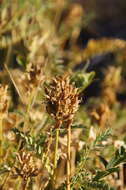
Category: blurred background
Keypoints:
(41, 39)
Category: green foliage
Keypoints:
(4, 169)
(78, 126)
(81, 180)
(30, 142)
(118, 158)
(102, 137)
(99, 185)
(41, 37)
(101, 174)
(82, 80)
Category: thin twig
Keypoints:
(13, 81)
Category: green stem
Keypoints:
(58, 124)
(56, 148)
(68, 155)
(26, 120)
(1, 139)
(45, 157)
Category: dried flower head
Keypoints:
(103, 115)
(112, 77)
(3, 99)
(62, 99)
(34, 73)
(26, 167)
(111, 84)
(33, 76)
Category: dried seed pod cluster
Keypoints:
(33, 76)
(26, 167)
(3, 99)
(35, 73)
(111, 84)
(112, 77)
(103, 115)
(62, 99)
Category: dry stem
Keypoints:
(56, 148)
(58, 124)
(14, 83)
(24, 184)
(1, 139)
(68, 154)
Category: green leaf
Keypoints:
(78, 126)
(119, 157)
(99, 185)
(20, 61)
(102, 174)
(103, 136)
(4, 169)
(82, 80)
(30, 142)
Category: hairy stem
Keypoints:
(68, 155)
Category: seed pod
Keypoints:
(62, 98)
(25, 166)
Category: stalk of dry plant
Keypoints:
(39, 40)
(68, 155)
(3, 112)
(25, 168)
(62, 104)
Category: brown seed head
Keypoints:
(26, 167)
(34, 73)
(112, 77)
(111, 84)
(62, 99)
(33, 76)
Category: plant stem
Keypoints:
(5, 180)
(58, 124)
(14, 83)
(1, 139)
(121, 176)
(68, 154)
(56, 148)
(26, 120)
(24, 184)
